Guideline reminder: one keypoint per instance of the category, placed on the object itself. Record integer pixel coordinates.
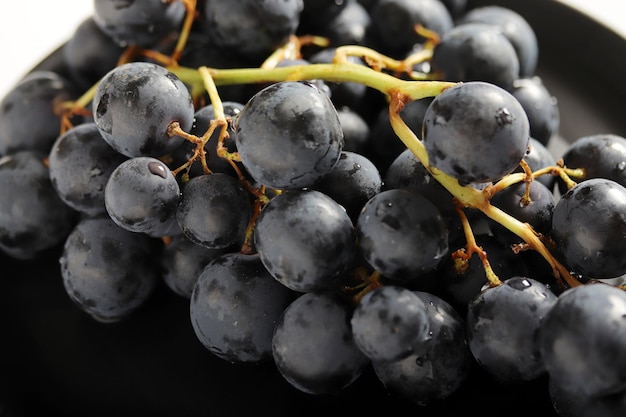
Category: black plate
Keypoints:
(54, 360)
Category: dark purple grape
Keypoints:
(506, 350)
(349, 27)
(315, 14)
(214, 211)
(389, 322)
(251, 28)
(131, 113)
(352, 182)
(538, 156)
(141, 22)
(289, 135)
(80, 164)
(90, 53)
(540, 106)
(142, 196)
(313, 347)
(459, 286)
(589, 225)
(537, 213)
(402, 234)
(600, 155)
(394, 23)
(582, 340)
(476, 52)
(305, 239)
(234, 307)
(182, 262)
(515, 28)
(108, 272)
(28, 112)
(439, 366)
(355, 129)
(33, 218)
(475, 132)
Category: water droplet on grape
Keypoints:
(158, 169)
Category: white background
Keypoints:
(30, 29)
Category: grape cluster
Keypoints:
(336, 188)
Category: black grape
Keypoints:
(182, 262)
(108, 272)
(475, 132)
(582, 339)
(305, 239)
(402, 234)
(80, 164)
(141, 23)
(28, 112)
(537, 212)
(141, 195)
(540, 106)
(214, 211)
(599, 155)
(589, 225)
(389, 322)
(515, 28)
(476, 52)
(33, 218)
(508, 351)
(313, 347)
(269, 23)
(355, 129)
(288, 135)
(90, 53)
(395, 20)
(234, 307)
(352, 182)
(439, 366)
(131, 114)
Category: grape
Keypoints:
(234, 307)
(388, 322)
(28, 118)
(589, 225)
(108, 272)
(582, 339)
(355, 130)
(305, 239)
(537, 213)
(515, 28)
(33, 219)
(313, 347)
(269, 23)
(131, 115)
(395, 21)
(349, 27)
(316, 13)
(538, 156)
(142, 22)
(80, 164)
(509, 352)
(439, 366)
(476, 52)
(289, 135)
(600, 155)
(352, 182)
(475, 132)
(214, 211)
(540, 106)
(142, 195)
(183, 261)
(90, 53)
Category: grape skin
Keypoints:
(589, 225)
(313, 347)
(289, 135)
(234, 306)
(130, 114)
(475, 132)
